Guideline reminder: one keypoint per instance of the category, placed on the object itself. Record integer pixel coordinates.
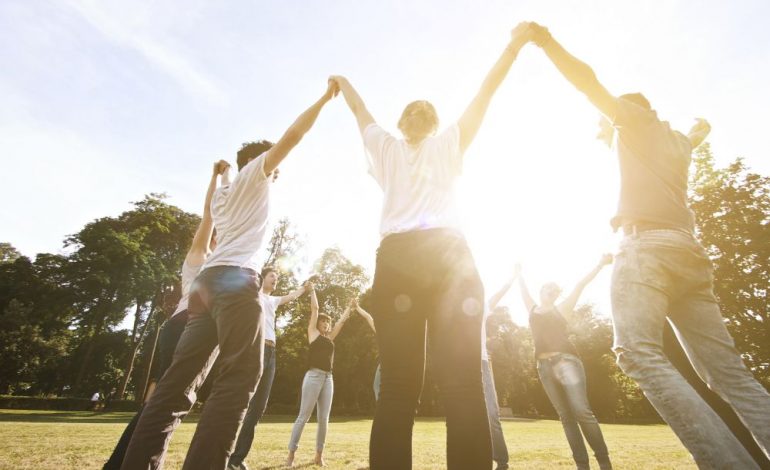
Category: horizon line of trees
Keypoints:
(60, 314)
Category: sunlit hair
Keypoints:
(637, 98)
(267, 270)
(251, 150)
(322, 317)
(418, 121)
(551, 287)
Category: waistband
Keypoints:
(269, 343)
(443, 232)
(632, 229)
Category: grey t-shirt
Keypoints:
(654, 161)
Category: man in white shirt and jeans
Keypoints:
(258, 402)
(225, 318)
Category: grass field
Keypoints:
(83, 440)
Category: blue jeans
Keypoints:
(499, 449)
(317, 388)
(225, 323)
(564, 381)
(376, 383)
(666, 275)
(256, 409)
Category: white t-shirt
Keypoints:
(269, 305)
(239, 211)
(418, 183)
(95, 396)
(189, 273)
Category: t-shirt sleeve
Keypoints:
(631, 116)
(378, 143)
(449, 142)
(253, 172)
(274, 301)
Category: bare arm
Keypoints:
(293, 295)
(354, 102)
(312, 327)
(576, 72)
(294, 134)
(567, 306)
(470, 122)
(200, 244)
(495, 299)
(529, 302)
(340, 323)
(366, 316)
(699, 132)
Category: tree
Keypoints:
(8, 254)
(732, 213)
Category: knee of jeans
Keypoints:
(585, 415)
(634, 360)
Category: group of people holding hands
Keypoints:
(427, 291)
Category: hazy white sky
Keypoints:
(102, 102)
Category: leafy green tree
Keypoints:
(732, 212)
(8, 254)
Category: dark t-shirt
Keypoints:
(321, 354)
(654, 161)
(549, 332)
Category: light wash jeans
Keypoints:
(499, 449)
(564, 381)
(317, 388)
(376, 383)
(666, 274)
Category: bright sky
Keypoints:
(102, 102)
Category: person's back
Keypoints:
(662, 273)
(654, 162)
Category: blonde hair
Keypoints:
(418, 121)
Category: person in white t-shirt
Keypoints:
(203, 241)
(258, 403)
(226, 318)
(425, 276)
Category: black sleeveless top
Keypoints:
(549, 332)
(321, 354)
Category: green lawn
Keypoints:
(83, 440)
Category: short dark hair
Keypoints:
(251, 150)
(267, 270)
(637, 98)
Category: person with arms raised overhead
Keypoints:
(225, 318)
(662, 273)
(425, 276)
(202, 244)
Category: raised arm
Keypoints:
(495, 299)
(567, 306)
(340, 323)
(576, 72)
(293, 295)
(699, 131)
(364, 314)
(354, 101)
(200, 243)
(471, 119)
(529, 302)
(312, 327)
(294, 134)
